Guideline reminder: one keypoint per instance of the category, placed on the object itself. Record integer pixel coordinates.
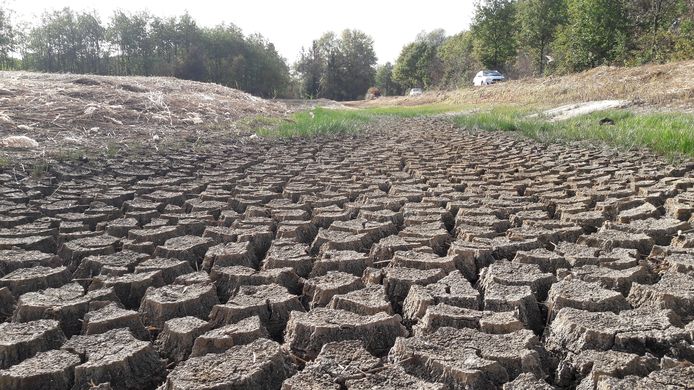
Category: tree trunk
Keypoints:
(656, 20)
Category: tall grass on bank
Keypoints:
(669, 134)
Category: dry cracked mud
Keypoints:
(412, 255)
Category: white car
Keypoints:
(487, 77)
(416, 91)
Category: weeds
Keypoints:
(668, 134)
(69, 155)
(112, 150)
(40, 169)
(321, 121)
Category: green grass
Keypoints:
(318, 121)
(413, 111)
(669, 134)
(323, 121)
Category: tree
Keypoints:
(651, 22)
(494, 30)
(193, 66)
(418, 64)
(458, 59)
(359, 61)
(538, 21)
(7, 38)
(595, 34)
(130, 35)
(57, 43)
(683, 31)
(340, 68)
(92, 36)
(385, 82)
(310, 70)
(412, 66)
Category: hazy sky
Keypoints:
(291, 24)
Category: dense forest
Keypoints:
(519, 37)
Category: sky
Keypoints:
(291, 24)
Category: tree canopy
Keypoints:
(337, 67)
(518, 37)
(142, 44)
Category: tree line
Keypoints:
(143, 44)
(540, 37)
(519, 37)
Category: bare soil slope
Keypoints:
(661, 87)
(61, 109)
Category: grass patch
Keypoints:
(40, 169)
(413, 111)
(669, 134)
(319, 121)
(323, 121)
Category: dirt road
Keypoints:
(415, 255)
